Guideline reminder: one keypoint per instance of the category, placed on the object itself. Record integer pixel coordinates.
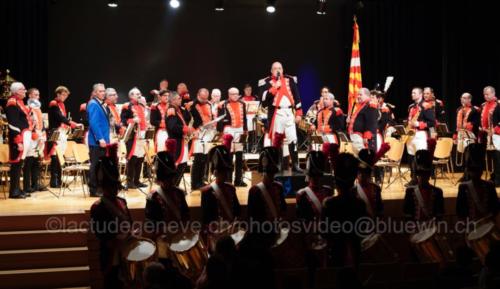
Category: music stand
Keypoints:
(400, 129)
(150, 134)
(77, 133)
(442, 129)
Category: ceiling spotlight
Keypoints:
(112, 3)
(174, 4)
(219, 5)
(321, 7)
(271, 8)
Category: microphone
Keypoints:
(278, 75)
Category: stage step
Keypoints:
(23, 240)
(44, 251)
(43, 258)
(45, 278)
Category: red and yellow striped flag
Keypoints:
(355, 70)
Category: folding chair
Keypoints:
(80, 168)
(442, 157)
(4, 167)
(392, 160)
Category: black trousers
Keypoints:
(15, 176)
(31, 173)
(95, 153)
(55, 172)
(238, 168)
(181, 168)
(198, 170)
(134, 168)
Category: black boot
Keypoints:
(131, 172)
(197, 171)
(284, 162)
(238, 170)
(137, 176)
(413, 171)
(55, 172)
(35, 176)
(295, 158)
(15, 175)
(27, 169)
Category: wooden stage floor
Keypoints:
(73, 200)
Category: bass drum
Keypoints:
(479, 239)
(374, 249)
(189, 253)
(137, 255)
(431, 247)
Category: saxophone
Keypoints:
(410, 131)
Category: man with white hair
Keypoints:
(279, 93)
(329, 120)
(58, 121)
(116, 127)
(20, 129)
(134, 113)
(201, 112)
(362, 127)
(215, 101)
(98, 134)
(234, 123)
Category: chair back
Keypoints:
(4, 153)
(69, 153)
(81, 153)
(444, 146)
(396, 151)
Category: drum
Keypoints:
(188, 253)
(374, 249)
(431, 247)
(216, 232)
(137, 255)
(479, 239)
(162, 247)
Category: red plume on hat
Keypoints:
(384, 147)
(278, 140)
(171, 146)
(112, 151)
(227, 140)
(431, 145)
(331, 151)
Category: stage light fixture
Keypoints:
(219, 5)
(174, 4)
(112, 3)
(321, 7)
(271, 8)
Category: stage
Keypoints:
(74, 201)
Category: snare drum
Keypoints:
(431, 247)
(374, 249)
(189, 253)
(232, 230)
(137, 255)
(479, 239)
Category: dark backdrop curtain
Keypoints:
(24, 44)
(448, 45)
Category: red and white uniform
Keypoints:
(158, 120)
(234, 122)
(137, 144)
